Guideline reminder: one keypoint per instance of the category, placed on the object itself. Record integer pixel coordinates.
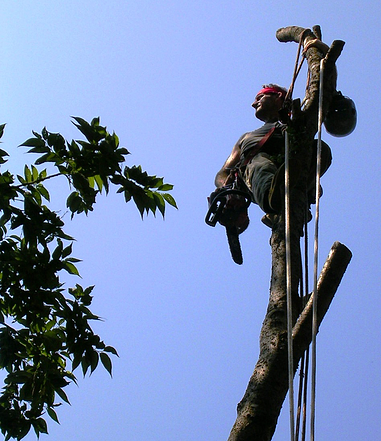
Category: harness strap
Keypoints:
(254, 150)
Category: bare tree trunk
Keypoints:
(258, 411)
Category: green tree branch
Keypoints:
(45, 331)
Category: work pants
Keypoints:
(261, 169)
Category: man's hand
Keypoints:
(234, 212)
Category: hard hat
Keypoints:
(341, 117)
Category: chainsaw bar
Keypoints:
(234, 245)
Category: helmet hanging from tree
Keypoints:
(341, 117)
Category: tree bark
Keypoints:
(259, 409)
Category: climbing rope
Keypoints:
(297, 67)
(290, 352)
(301, 417)
(302, 395)
(307, 352)
(289, 291)
(316, 249)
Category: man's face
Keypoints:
(267, 106)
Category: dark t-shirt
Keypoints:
(274, 146)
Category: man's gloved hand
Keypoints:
(235, 213)
(213, 194)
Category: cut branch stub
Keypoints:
(314, 51)
(328, 283)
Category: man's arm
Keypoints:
(223, 175)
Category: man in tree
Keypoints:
(260, 156)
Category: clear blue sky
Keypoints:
(175, 80)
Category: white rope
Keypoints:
(288, 287)
(316, 249)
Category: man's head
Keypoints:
(268, 101)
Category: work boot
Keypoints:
(268, 219)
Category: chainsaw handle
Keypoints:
(215, 209)
(217, 205)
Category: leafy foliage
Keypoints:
(45, 331)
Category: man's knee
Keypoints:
(262, 171)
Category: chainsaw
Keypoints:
(228, 205)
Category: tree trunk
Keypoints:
(259, 409)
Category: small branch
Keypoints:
(317, 31)
(292, 33)
(38, 180)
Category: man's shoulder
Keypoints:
(260, 131)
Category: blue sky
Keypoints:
(175, 80)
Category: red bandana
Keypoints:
(271, 90)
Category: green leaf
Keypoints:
(35, 174)
(2, 126)
(95, 121)
(99, 182)
(27, 174)
(76, 362)
(39, 149)
(21, 180)
(43, 192)
(48, 157)
(70, 268)
(111, 350)
(165, 187)
(33, 142)
(40, 426)
(86, 129)
(62, 395)
(53, 415)
(3, 152)
(106, 361)
(58, 251)
(74, 202)
(67, 251)
(159, 202)
(169, 198)
(94, 360)
(85, 365)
